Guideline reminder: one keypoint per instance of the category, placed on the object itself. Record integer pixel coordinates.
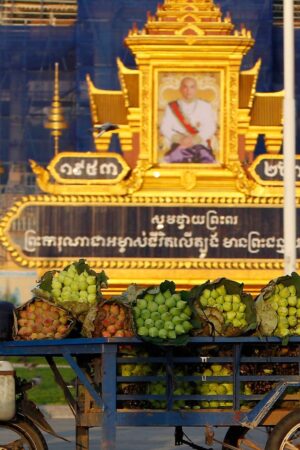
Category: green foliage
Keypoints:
(47, 391)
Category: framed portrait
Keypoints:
(188, 117)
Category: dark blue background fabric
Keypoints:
(28, 54)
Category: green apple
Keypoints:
(152, 306)
(143, 331)
(292, 320)
(140, 322)
(159, 298)
(282, 311)
(292, 301)
(206, 293)
(236, 299)
(153, 332)
(292, 289)
(91, 289)
(214, 294)
(91, 298)
(227, 306)
(236, 323)
(91, 280)
(149, 323)
(292, 311)
(283, 302)
(56, 284)
(141, 303)
(203, 301)
(155, 316)
(221, 290)
(231, 315)
(284, 293)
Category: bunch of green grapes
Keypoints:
(164, 315)
(69, 285)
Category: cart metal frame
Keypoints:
(99, 407)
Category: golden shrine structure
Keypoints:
(184, 39)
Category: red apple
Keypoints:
(45, 306)
(106, 334)
(111, 329)
(120, 324)
(114, 309)
(22, 322)
(23, 314)
(120, 333)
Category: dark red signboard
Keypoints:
(57, 231)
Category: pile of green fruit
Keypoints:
(181, 388)
(214, 388)
(76, 287)
(162, 315)
(69, 285)
(278, 307)
(222, 308)
(287, 306)
(230, 305)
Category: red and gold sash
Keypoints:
(178, 113)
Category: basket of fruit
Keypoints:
(108, 318)
(222, 308)
(162, 315)
(41, 319)
(278, 307)
(76, 288)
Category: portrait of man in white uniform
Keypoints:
(187, 126)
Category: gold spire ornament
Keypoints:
(56, 121)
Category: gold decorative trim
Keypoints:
(189, 31)
(188, 179)
(46, 184)
(256, 177)
(243, 183)
(140, 199)
(90, 155)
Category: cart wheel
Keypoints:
(21, 434)
(286, 434)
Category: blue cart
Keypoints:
(100, 402)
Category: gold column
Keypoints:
(273, 141)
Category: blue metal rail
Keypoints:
(105, 393)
